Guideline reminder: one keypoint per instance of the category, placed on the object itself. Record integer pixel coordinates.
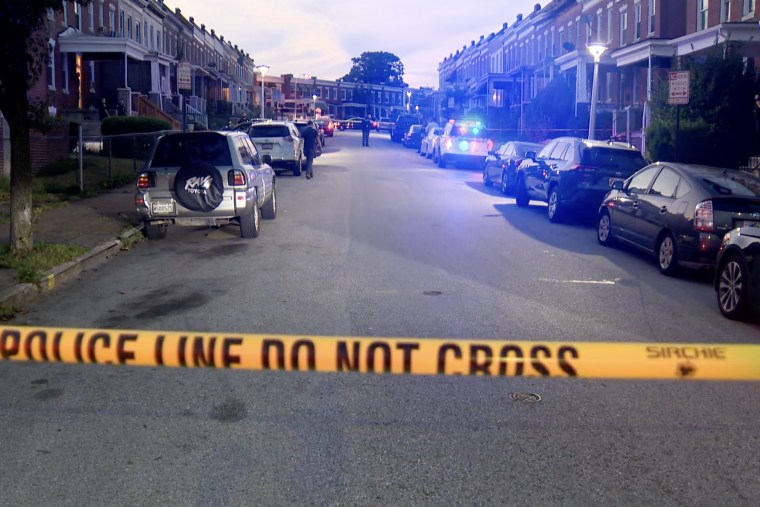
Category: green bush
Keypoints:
(131, 136)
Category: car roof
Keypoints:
(596, 143)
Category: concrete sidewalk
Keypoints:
(99, 223)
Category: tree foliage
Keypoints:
(716, 127)
(25, 54)
(376, 67)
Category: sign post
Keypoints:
(184, 84)
(678, 94)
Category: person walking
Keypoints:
(366, 127)
(309, 136)
(103, 109)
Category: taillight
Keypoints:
(576, 167)
(146, 180)
(703, 217)
(235, 178)
(489, 144)
(449, 144)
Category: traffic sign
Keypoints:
(678, 93)
(184, 79)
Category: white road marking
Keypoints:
(589, 282)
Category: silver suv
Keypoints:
(205, 178)
(279, 143)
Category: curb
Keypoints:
(23, 293)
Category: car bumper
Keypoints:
(464, 159)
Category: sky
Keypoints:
(320, 38)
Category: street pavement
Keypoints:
(101, 224)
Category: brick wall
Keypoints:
(44, 148)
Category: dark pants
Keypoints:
(365, 137)
(309, 163)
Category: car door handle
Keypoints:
(663, 210)
(635, 205)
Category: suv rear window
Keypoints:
(626, 160)
(179, 150)
(269, 131)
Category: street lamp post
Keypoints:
(314, 105)
(596, 49)
(408, 100)
(262, 71)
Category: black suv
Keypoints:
(402, 125)
(572, 173)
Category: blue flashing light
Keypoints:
(463, 145)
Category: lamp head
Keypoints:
(596, 49)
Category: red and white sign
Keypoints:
(678, 93)
(184, 76)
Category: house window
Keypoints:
(91, 16)
(623, 26)
(343, 94)
(137, 32)
(651, 15)
(152, 38)
(121, 24)
(609, 26)
(725, 11)
(65, 13)
(78, 16)
(51, 65)
(111, 24)
(65, 71)
(145, 33)
(637, 21)
(748, 7)
(598, 34)
(701, 14)
(158, 40)
(129, 27)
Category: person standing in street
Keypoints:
(366, 127)
(309, 136)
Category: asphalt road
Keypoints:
(380, 243)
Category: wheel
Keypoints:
(486, 180)
(441, 162)
(554, 210)
(732, 290)
(504, 184)
(604, 229)
(435, 156)
(250, 223)
(521, 194)
(199, 187)
(269, 209)
(155, 231)
(297, 166)
(667, 258)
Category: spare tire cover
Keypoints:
(199, 187)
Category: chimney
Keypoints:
(519, 17)
(177, 11)
(505, 26)
(536, 7)
(203, 27)
(213, 33)
(192, 20)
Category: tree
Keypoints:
(376, 67)
(716, 126)
(25, 53)
(550, 113)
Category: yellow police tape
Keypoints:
(406, 356)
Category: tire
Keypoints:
(554, 210)
(250, 223)
(199, 187)
(667, 257)
(604, 229)
(732, 288)
(297, 166)
(435, 157)
(441, 162)
(155, 231)
(269, 209)
(521, 194)
(504, 184)
(486, 180)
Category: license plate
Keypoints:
(162, 207)
(267, 146)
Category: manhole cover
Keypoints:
(526, 397)
(431, 293)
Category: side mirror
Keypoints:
(531, 155)
(618, 185)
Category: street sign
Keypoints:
(184, 78)
(678, 92)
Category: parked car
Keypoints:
(501, 164)
(737, 273)
(401, 126)
(679, 212)
(463, 142)
(318, 142)
(354, 123)
(574, 175)
(384, 124)
(327, 126)
(427, 144)
(412, 137)
(279, 144)
(205, 178)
